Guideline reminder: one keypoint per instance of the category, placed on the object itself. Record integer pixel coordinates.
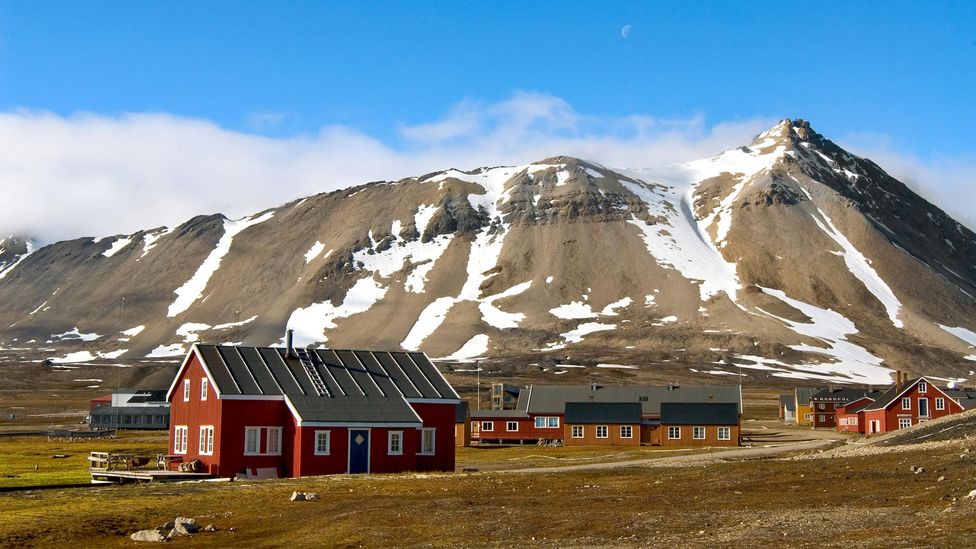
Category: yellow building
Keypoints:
(804, 414)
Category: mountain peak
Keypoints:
(788, 133)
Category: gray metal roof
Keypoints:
(552, 399)
(711, 413)
(788, 402)
(890, 395)
(603, 412)
(843, 396)
(498, 414)
(359, 386)
(803, 394)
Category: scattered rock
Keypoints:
(971, 495)
(155, 535)
(297, 496)
(311, 496)
(919, 470)
(210, 528)
(188, 524)
(941, 478)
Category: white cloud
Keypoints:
(94, 175)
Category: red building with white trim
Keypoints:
(907, 403)
(277, 412)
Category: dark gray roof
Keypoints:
(803, 394)
(603, 412)
(148, 395)
(461, 412)
(886, 398)
(843, 396)
(686, 413)
(858, 408)
(788, 402)
(552, 399)
(498, 414)
(360, 386)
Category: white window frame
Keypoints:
(488, 426)
(808, 417)
(626, 431)
(547, 422)
(274, 435)
(906, 403)
(928, 409)
(509, 424)
(725, 433)
(823, 418)
(256, 438)
(902, 420)
(180, 433)
(424, 450)
(674, 432)
(939, 403)
(578, 431)
(698, 429)
(391, 448)
(186, 390)
(206, 440)
(322, 435)
(821, 405)
(602, 431)
(203, 388)
(923, 387)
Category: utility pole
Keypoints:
(237, 326)
(477, 366)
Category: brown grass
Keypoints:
(857, 502)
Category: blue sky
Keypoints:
(897, 79)
(905, 69)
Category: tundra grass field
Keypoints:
(858, 501)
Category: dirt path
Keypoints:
(688, 460)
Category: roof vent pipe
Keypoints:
(290, 343)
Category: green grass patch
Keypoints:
(30, 461)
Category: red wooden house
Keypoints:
(541, 413)
(824, 403)
(907, 403)
(293, 412)
(850, 416)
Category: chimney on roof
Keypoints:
(290, 343)
(898, 380)
(594, 387)
(672, 386)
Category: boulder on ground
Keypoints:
(186, 524)
(972, 495)
(148, 535)
(297, 496)
(311, 496)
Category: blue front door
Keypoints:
(358, 451)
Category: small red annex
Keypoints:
(286, 412)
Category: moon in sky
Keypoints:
(625, 31)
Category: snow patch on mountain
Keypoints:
(76, 334)
(573, 310)
(860, 267)
(151, 239)
(310, 323)
(7, 269)
(193, 289)
(474, 348)
(117, 246)
(314, 251)
(854, 364)
(962, 333)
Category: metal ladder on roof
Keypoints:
(313, 374)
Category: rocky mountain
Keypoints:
(788, 257)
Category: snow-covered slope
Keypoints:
(787, 257)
